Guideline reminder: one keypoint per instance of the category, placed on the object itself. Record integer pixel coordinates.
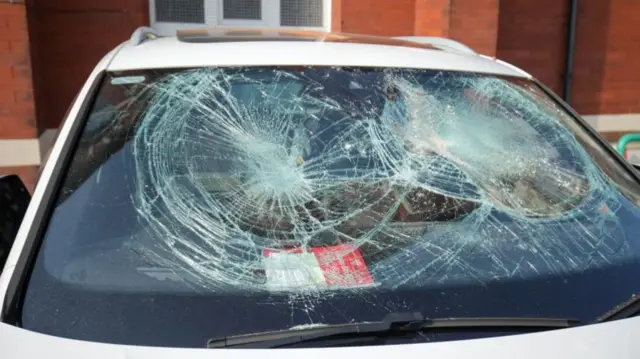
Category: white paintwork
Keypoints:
(213, 18)
(169, 52)
(614, 340)
(141, 35)
(522, 72)
(610, 340)
(440, 42)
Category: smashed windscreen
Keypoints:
(301, 182)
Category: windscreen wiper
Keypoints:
(392, 324)
(627, 309)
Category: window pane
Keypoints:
(242, 9)
(190, 11)
(301, 13)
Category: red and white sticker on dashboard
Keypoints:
(339, 266)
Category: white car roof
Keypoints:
(215, 48)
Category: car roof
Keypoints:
(278, 47)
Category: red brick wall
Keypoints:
(432, 17)
(532, 35)
(69, 38)
(377, 17)
(336, 15)
(592, 41)
(472, 21)
(402, 18)
(17, 112)
(475, 23)
(607, 70)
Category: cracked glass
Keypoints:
(221, 201)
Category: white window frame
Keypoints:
(170, 28)
(213, 17)
(266, 11)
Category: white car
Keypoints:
(352, 195)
